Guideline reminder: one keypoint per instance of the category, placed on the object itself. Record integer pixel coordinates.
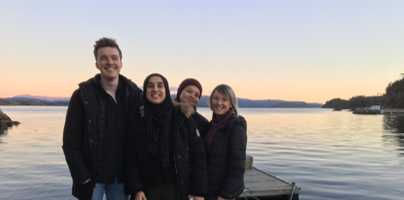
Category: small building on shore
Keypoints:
(374, 107)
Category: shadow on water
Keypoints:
(3, 130)
(394, 125)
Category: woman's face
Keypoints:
(190, 94)
(220, 103)
(155, 91)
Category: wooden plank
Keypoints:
(264, 184)
(248, 162)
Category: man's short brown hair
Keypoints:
(106, 42)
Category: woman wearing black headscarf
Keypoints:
(166, 157)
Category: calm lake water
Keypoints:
(330, 155)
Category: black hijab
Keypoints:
(158, 122)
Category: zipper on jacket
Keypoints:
(175, 162)
(85, 102)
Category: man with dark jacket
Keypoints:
(96, 126)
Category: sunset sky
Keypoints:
(309, 51)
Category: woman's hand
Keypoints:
(220, 198)
(140, 196)
(195, 197)
(85, 182)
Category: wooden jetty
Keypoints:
(397, 111)
(263, 186)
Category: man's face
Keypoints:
(108, 62)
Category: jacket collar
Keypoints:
(236, 120)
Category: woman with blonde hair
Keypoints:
(225, 145)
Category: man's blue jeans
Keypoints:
(115, 191)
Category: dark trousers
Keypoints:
(161, 192)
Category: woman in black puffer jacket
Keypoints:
(166, 158)
(225, 145)
(190, 91)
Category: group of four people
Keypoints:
(124, 142)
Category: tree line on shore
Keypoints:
(26, 102)
(246, 103)
(354, 102)
(393, 98)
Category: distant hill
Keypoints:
(203, 102)
(35, 100)
(248, 103)
(40, 98)
(28, 102)
(297, 104)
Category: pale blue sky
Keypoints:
(309, 51)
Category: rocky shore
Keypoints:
(365, 111)
(6, 122)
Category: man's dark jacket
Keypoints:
(189, 155)
(84, 131)
(226, 165)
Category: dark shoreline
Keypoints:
(27, 102)
(6, 122)
(242, 103)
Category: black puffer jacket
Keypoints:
(189, 155)
(227, 160)
(201, 122)
(83, 131)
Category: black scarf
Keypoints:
(158, 123)
(216, 125)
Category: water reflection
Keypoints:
(394, 137)
(3, 130)
(5, 126)
(394, 123)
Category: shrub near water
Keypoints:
(394, 95)
(354, 102)
(392, 99)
